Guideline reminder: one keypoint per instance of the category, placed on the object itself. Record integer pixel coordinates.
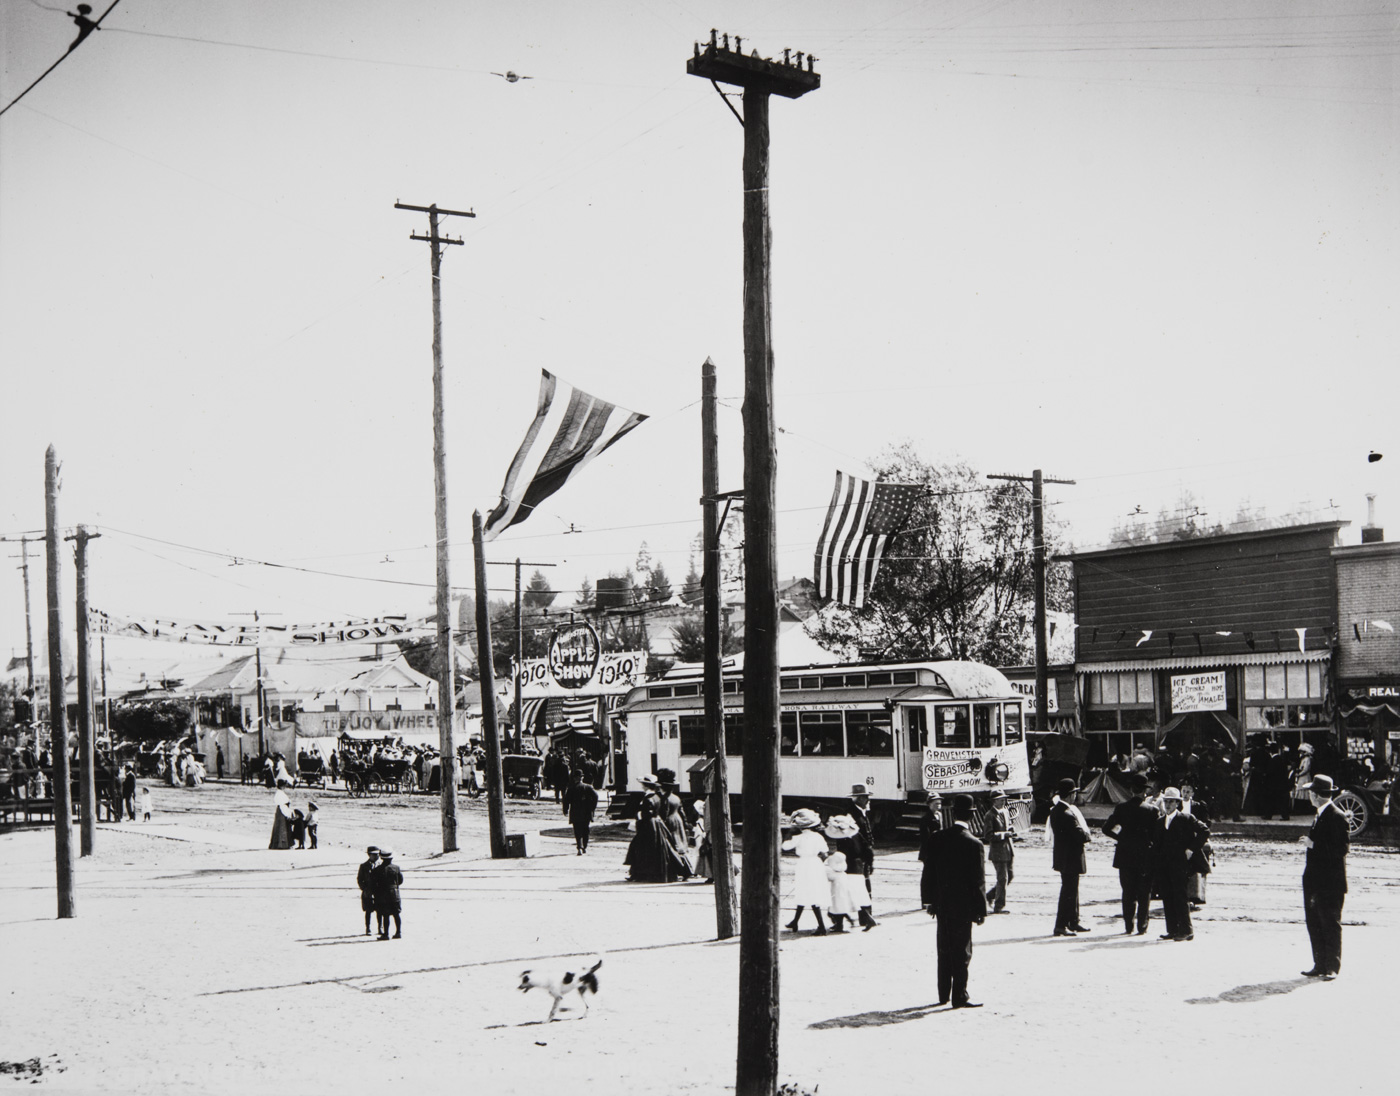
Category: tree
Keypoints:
(146, 721)
(537, 594)
(8, 692)
(584, 601)
(688, 639)
(692, 591)
(958, 582)
(658, 585)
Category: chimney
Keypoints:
(1371, 533)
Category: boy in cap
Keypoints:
(365, 878)
(311, 809)
(999, 850)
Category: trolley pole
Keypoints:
(58, 721)
(756, 1068)
(87, 746)
(717, 812)
(447, 691)
(1042, 669)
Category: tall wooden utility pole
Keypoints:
(756, 1070)
(519, 636)
(87, 746)
(717, 811)
(495, 792)
(1042, 669)
(58, 721)
(447, 692)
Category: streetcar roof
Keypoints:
(950, 680)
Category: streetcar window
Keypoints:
(821, 734)
(733, 734)
(811, 682)
(732, 686)
(687, 690)
(692, 735)
(986, 725)
(787, 734)
(905, 677)
(1013, 722)
(790, 683)
(879, 679)
(917, 722)
(869, 734)
(951, 729)
(834, 681)
(659, 692)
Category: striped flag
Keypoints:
(580, 713)
(859, 523)
(570, 429)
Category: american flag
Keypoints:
(859, 523)
(580, 713)
(570, 428)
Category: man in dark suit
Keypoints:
(958, 889)
(1070, 833)
(1131, 825)
(580, 801)
(1176, 843)
(1325, 879)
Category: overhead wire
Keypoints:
(82, 37)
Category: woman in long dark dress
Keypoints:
(652, 856)
(281, 821)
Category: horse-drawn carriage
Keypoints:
(385, 774)
(311, 770)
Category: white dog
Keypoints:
(562, 984)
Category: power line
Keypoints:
(85, 28)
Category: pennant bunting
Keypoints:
(859, 523)
(1384, 626)
(1146, 635)
(570, 428)
(1302, 638)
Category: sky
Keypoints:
(1150, 247)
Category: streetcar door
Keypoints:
(914, 720)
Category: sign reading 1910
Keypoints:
(573, 655)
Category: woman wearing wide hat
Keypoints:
(653, 857)
(810, 887)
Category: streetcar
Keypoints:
(900, 729)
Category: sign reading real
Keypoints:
(1198, 692)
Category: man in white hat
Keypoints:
(1177, 841)
(1325, 879)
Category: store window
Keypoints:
(1122, 701)
(1284, 697)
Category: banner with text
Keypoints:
(259, 634)
(614, 675)
(952, 770)
(378, 724)
(1198, 692)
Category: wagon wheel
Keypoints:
(408, 782)
(353, 785)
(1357, 808)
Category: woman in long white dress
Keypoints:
(810, 885)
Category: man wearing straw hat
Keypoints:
(1177, 842)
(1325, 879)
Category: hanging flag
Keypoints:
(1302, 638)
(1145, 637)
(580, 713)
(570, 429)
(859, 523)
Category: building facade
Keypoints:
(1368, 649)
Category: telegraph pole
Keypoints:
(58, 722)
(495, 793)
(24, 542)
(447, 691)
(519, 635)
(717, 812)
(87, 780)
(756, 1071)
(1042, 671)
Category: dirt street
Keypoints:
(200, 961)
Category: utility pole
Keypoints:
(519, 635)
(87, 746)
(58, 722)
(24, 541)
(447, 690)
(260, 697)
(717, 812)
(756, 1069)
(495, 792)
(1042, 671)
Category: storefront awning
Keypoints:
(1195, 662)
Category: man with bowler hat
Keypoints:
(958, 886)
(1070, 833)
(1325, 879)
(1132, 825)
(387, 881)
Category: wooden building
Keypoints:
(1209, 639)
(1368, 648)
